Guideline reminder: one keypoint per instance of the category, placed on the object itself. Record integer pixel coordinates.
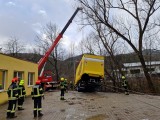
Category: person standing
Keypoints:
(12, 99)
(65, 85)
(62, 87)
(125, 84)
(37, 94)
(22, 93)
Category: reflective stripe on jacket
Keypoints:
(63, 84)
(124, 83)
(37, 91)
(21, 91)
(12, 92)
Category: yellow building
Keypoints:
(11, 67)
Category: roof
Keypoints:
(136, 64)
(17, 58)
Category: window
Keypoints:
(30, 78)
(18, 74)
(135, 71)
(2, 79)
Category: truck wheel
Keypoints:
(78, 89)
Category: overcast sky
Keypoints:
(25, 18)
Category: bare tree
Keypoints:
(91, 44)
(13, 46)
(100, 47)
(109, 40)
(81, 47)
(71, 50)
(129, 19)
(45, 40)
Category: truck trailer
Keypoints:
(89, 73)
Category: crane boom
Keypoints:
(43, 60)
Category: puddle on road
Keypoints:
(73, 101)
(62, 110)
(113, 107)
(98, 117)
(73, 98)
(92, 99)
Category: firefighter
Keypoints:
(12, 98)
(62, 86)
(125, 85)
(66, 85)
(37, 94)
(21, 93)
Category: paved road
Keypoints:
(92, 106)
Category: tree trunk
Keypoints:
(56, 69)
(148, 78)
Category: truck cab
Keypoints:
(47, 81)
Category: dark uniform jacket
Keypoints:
(37, 92)
(21, 91)
(12, 92)
(63, 85)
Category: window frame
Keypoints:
(5, 78)
(28, 82)
(17, 75)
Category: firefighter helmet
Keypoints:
(62, 79)
(38, 82)
(123, 77)
(15, 79)
(21, 80)
(21, 83)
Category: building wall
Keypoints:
(11, 65)
(156, 70)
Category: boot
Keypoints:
(62, 98)
(12, 115)
(20, 108)
(35, 113)
(8, 115)
(40, 114)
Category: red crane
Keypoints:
(42, 61)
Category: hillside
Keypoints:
(67, 68)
